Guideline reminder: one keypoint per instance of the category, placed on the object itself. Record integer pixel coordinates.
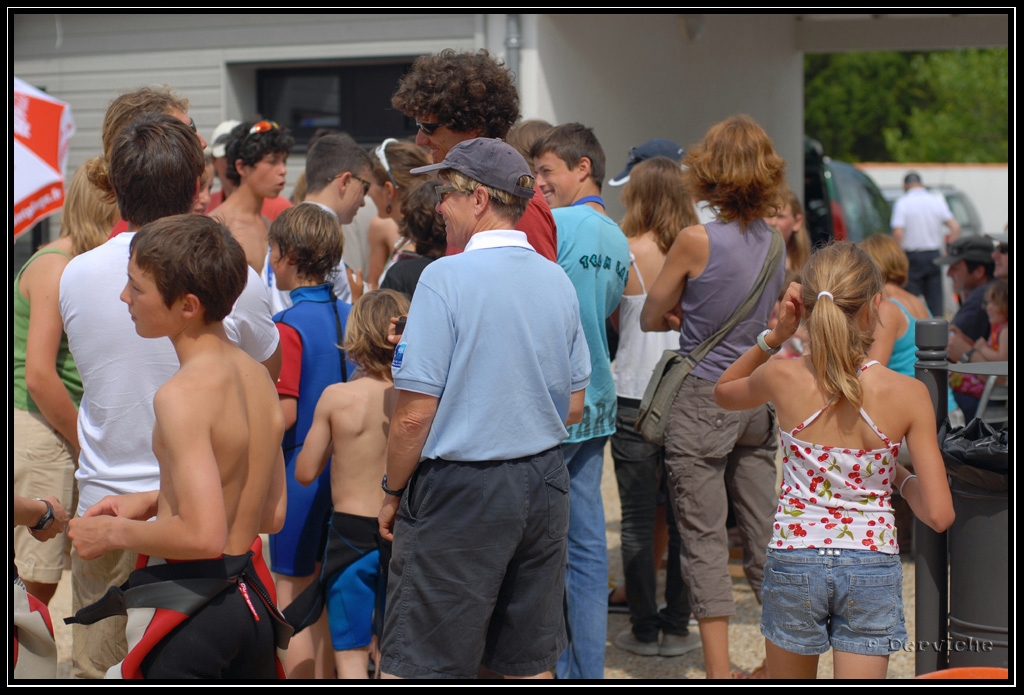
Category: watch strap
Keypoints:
(389, 491)
(46, 519)
(767, 349)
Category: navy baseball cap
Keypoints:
(658, 147)
(490, 161)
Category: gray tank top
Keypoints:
(734, 260)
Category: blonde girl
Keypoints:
(833, 579)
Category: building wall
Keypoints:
(631, 77)
(636, 77)
(212, 60)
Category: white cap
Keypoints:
(219, 140)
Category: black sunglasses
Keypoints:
(1003, 249)
(428, 128)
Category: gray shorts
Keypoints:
(477, 574)
(707, 450)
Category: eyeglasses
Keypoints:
(1003, 249)
(428, 128)
(441, 191)
(366, 184)
(382, 155)
(192, 125)
(263, 127)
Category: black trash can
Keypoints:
(977, 461)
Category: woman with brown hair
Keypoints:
(657, 208)
(391, 184)
(709, 271)
(789, 220)
(46, 384)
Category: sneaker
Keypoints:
(677, 645)
(627, 641)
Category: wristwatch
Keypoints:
(389, 491)
(768, 350)
(46, 521)
(966, 357)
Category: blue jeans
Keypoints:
(834, 598)
(640, 472)
(586, 578)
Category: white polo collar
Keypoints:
(496, 238)
(313, 202)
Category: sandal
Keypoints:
(617, 606)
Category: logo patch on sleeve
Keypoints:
(399, 354)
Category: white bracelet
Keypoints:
(905, 481)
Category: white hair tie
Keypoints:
(823, 293)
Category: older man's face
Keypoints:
(1001, 257)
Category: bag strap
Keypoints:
(771, 262)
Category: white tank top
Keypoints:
(638, 352)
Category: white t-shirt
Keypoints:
(122, 371)
(922, 215)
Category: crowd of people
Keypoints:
(413, 407)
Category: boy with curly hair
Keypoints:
(460, 96)
(257, 158)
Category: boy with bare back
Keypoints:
(209, 610)
(257, 155)
(351, 423)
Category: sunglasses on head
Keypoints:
(263, 127)
(382, 156)
(428, 128)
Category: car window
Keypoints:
(864, 209)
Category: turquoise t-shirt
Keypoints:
(594, 253)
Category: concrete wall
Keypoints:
(987, 185)
(635, 77)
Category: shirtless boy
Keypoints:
(217, 439)
(352, 422)
(257, 154)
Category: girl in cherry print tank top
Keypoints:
(841, 419)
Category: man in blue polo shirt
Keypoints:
(491, 367)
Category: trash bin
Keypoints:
(977, 460)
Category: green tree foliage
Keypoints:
(967, 117)
(885, 106)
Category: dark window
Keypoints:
(354, 98)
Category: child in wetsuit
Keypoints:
(217, 439)
(351, 423)
(833, 578)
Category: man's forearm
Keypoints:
(410, 425)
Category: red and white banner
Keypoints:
(43, 127)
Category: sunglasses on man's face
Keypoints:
(1003, 249)
(428, 128)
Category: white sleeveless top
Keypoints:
(638, 352)
(835, 497)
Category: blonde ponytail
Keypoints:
(838, 282)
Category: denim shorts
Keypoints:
(838, 598)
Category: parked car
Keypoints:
(959, 204)
(840, 201)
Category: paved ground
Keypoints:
(746, 643)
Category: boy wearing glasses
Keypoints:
(257, 157)
(337, 180)
(442, 93)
